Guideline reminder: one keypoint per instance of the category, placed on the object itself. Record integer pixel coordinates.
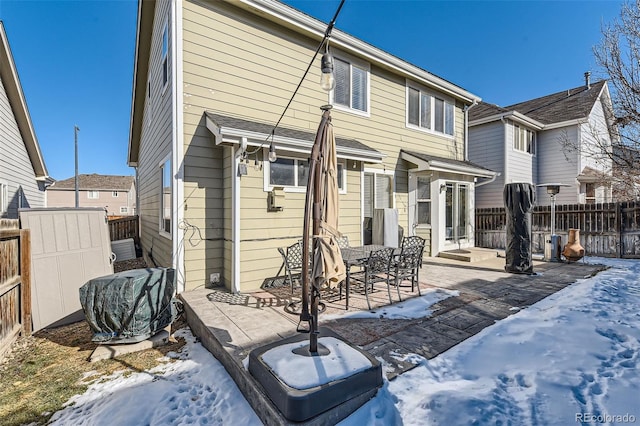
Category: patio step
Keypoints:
(472, 254)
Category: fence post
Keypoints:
(618, 225)
(25, 280)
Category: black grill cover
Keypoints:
(519, 199)
(129, 306)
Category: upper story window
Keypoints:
(114, 193)
(352, 85)
(164, 59)
(524, 139)
(293, 173)
(429, 112)
(93, 195)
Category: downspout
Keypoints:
(177, 147)
(466, 129)
(236, 155)
(506, 150)
(488, 181)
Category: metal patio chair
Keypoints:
(406, 265)
(343, 241)
(375, 270)
(292, 262)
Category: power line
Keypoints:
(326, 36)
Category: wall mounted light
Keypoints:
(443, 187)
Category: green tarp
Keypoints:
(129, 306)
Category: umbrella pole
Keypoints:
(312, 206)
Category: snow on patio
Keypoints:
(570, 358)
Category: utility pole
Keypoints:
(76, 129)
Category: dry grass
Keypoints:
(41, 372)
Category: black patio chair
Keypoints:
(406, 266)
(292, 262)
(374, 270)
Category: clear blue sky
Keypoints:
(75, 58)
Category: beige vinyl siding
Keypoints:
(426, 234)
(16, 170)
(240, 64)
(155, 146)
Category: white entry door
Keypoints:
(457, 223)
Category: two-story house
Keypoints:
(211, 80)
(23, 173)
(559, 138)
(116, 194)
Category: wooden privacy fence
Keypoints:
(607, 229)
(123, 228)
(15, 283)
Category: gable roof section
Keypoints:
(232, 130)
(430, 162)
(568, 105)
(11, 81)
(287, 17)
(94, 182)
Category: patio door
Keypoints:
(456, 213)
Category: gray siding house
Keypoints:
(550, 139)
(23, 174)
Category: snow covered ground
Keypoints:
(569, 359)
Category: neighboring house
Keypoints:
(211, 80)
(23, 174)
(546, 140)
(116, 194)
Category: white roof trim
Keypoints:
(233, 136)
(443, 166)
(511, 115)
(308, 24)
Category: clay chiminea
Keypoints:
(573, 251)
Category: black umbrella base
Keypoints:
(303, 385)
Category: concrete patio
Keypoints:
(230, 326)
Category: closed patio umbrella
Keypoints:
(322, 203)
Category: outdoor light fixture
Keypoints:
(327, 80)
(272, 152)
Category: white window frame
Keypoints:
(93, 195)
(161, 216)
(4, 198)
(124, 209)
(377, 172)
(431, 126)
(364, 66)
(521, 145)
(424, 200)
(164, 55)
(297, 188)
(114, 194)
(455, 190)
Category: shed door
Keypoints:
(68, 248)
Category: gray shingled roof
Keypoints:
(263, 128)
(484, 109)
(95, 182)
(572, 104)
(427, 157)
(567, 105)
